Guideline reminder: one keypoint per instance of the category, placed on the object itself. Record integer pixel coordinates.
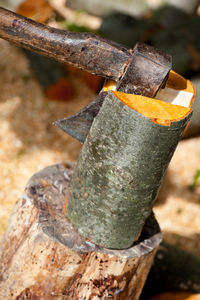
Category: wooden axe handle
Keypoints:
(83, 50)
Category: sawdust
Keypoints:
(29, 142)
(178, 207)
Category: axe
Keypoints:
(142, 70)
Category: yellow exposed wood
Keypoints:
(110, 85)
(158, 110)
(178, 82)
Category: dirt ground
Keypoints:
(29, 142)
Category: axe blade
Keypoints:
(79, 124)
(145, 74)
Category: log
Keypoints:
(123, 161)
(42, 256)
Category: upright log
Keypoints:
(42, 257)
(122, 163)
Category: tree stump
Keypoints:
(43, 257)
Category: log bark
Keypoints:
(119, 172)
(42, 256)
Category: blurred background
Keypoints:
(36, 91)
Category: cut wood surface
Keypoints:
(121, 166)
(42, 256)
(158, 111)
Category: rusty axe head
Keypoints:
(146, 72)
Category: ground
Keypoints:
(29, 142)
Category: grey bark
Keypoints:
(118, 174)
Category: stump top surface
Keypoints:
(48, 190)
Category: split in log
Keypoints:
(42, 256)
(122, 163)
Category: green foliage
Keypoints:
(195, 181)
(75, 27)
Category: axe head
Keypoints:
(79, 124)
(146, 72)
